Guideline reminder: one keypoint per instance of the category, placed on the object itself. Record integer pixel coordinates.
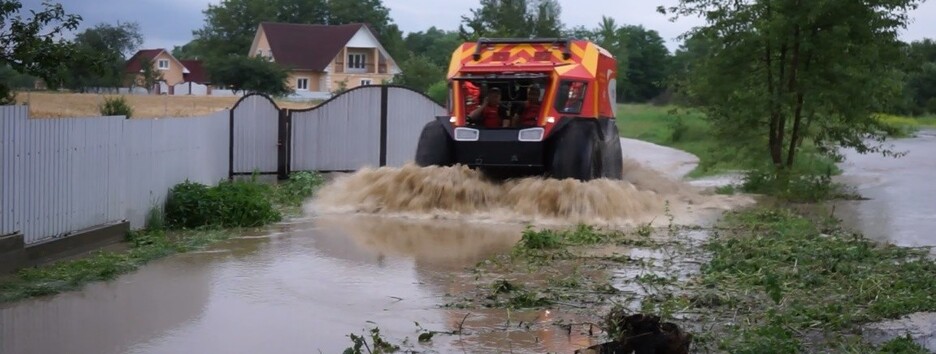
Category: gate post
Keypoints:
(383, 124)
(283, 144)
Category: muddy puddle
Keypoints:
(386, 248)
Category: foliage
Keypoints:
(149, 75)
(145, 246)
(547, 239)
(439, 92)
(513, 19)
(419, 73)
(783, 71)
(253, 74)
(229, 204)
(116, 106)
(646, 66)
(801, 277)
(33, 45)
(299, 187)
(435, 44)
(100, 54)
(377, 341)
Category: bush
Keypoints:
(439, 92)
(230, 204)
(245, 204)
(191, 205)
(116, 106)
(299, 187)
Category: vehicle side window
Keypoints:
(570, 97)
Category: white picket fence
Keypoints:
(62, 175)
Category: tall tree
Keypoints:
(513, 19)
(35, 45)
(419, 73)
(374, 13)
(435, 44)
(781, 71)
(647, 64)
(231, 25)
(101, 53)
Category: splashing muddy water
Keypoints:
(459, 192)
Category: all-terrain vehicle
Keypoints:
(526, 107)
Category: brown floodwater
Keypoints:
(299, 289)
(384, 247)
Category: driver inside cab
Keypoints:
(491, 114)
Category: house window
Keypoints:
(302, 84)
(356, 61)
(365, 82)
(163, 64)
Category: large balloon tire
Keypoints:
(435, 147)
(576, 153)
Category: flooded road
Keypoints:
(902, 196)
(299, 290)
(305, 285)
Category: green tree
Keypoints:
(375, 14)
(149, 75)
(781, 71)
(419, 73)
(513, 19)
(100, 55)
(435, 44)
(249, 74)
(34, 45)
(646, 65)
(230, 26)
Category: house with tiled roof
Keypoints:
(174, 71)
(324, 58)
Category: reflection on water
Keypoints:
(301, 289)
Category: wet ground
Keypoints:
(303, 286)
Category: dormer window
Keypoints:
(356, 61)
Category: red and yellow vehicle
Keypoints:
(521, 107)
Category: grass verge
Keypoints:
(791, 284)
(157, 241)
(687, 130)
(902, 127)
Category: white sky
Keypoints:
(166, 23)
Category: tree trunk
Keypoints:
(775, 140)
(793, 87)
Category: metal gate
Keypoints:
(367, 126)
(259, 137)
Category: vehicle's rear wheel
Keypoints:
(613, 164)
(576, 153)
(435, 148)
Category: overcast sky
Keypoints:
(166, 23)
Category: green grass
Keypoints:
(901, 126)
(784, 275)
(153, 243)
(687, 130)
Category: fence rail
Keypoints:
(64, 175)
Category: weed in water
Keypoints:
(539, 240)
(902, 345)
(799, 279)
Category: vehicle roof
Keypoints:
(533, 55)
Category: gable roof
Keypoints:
(134, 64)
(307, 47)
(197, 73)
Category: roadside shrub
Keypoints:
(116, 106)
(230, 204)
(245, 204)
(299, 187)
(191, 205)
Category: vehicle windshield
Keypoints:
(511, 103)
